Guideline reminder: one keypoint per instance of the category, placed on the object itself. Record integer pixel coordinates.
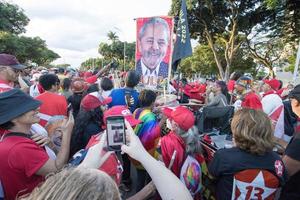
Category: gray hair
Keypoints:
(154, 21)
(191, 139)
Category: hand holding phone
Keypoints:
(115, 131)
(135, 148)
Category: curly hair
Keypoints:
(76, 183)
(252, 131)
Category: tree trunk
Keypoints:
(271, 72)
(211, 45)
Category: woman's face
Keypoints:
(216, 88)
(30, 117)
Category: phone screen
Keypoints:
(115, 130)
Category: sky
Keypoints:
(74, 28)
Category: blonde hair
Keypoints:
(252, 131)
(77, 183)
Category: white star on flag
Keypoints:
(255, 190)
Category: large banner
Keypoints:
(153, 55)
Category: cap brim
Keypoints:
(240, 84)
(107, 100)
(293, 95)
(18, 66)
(132, 121)
(167, 112)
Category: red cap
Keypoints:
(87, 74)
(94, 100)
(91, 79)
(121, 110)
(273, 83)
(182, 116)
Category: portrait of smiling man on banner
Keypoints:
(153, 49)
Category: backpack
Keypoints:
(191, 175)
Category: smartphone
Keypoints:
(115, 132)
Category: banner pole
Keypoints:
(297, 64)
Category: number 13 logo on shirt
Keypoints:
(254, 184)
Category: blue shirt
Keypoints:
(118, 98)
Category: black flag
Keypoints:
(182, 46)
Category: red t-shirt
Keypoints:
(20, 159)
(112, 165)
(4, 87)
(230, 85)
(251, 100)
(169, 143)
(52, 104)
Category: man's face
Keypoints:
(7, 74)
(153, 45)
(239, 88)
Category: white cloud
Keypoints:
(74, 28)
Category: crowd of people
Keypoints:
(53, 136)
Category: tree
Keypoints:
(12, 18)
(65, 65)
(274, 42)
(202, 62)
(285, 21)
(228, 21)
(268, 53)
(26, 48)
(112, 36)
(93, 63)
(115, 50)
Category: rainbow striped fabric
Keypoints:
(148, 131)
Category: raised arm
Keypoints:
(167, 184)
(63, 155)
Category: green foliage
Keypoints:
(284, 20)
(228, 22)
(203, 62)
(273, 3)
(115, 50)
(93, 63)
(65, 65)
(12, 18)
(112, 36)
(235, 22)
(26, 48)
(292, 62)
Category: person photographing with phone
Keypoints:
(100, 186)
(127, 96)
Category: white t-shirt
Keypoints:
(34, 91)
(36, 128)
